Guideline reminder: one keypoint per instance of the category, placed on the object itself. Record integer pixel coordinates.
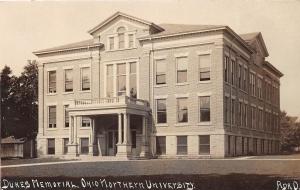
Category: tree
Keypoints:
(20, 106)
(6, 81)
(290, 132)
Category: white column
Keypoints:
(71, 129)
(125, 135)
(119, 128)
(92, 140)
(75, 129)
(128, 130)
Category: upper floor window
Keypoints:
(85, 122)
(226, 69)
(52, 82)
(52, 116)
(161, 111)
(182, 66)
(111, 43)
(121, 37)
(204, 102)
(204, 67)
(240, 76)
(252, 84)
(161, 71)
(109, 81)
(233, 72)
(259, 87)
(182, 110)
(132, 79)
(121, 79)
(227, 108)
(68, 80)
(85, 78)
(67, 122)
(130, 40)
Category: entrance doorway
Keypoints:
(112, 141)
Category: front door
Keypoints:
(112, 141)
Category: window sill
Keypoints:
(182, 84)
(161, 125)
(68, 93)
(51, 94)
(160, 85)
(114, 50)
(204, 82)
(181, 124)
(84, 128)
(66, 128)
(85, 91)
(51, 129)
(204, 123)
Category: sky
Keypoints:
(29, 26)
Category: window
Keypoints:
(232, 111)
(133, 139)
(245, 79)
(259, 87)
(51, 146)
(85, 122)
(181, 145)
(121, 37)
(253, 116)
(52, 82)
(182, 110)
(232, 72)
(161, 145)
(229, 144)
(240, 76)
(85, 78)
(204, 144)
(255, 146)
(111, 43)
(182, 65)
(109, 81)
(246, 115)
(121, 79)
(243, 146)
(240, 114)
(67, 123)
(84, 145)
(132, 79)
(160, 71)
(227, 107)
(65, 144)
(226, 69)
(52, 116)
(204, 67)
(252, 84)
(130, 40)
(161, 111)
(68, 80)
(204, 105)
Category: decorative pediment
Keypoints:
(122, 16)
(256, 42)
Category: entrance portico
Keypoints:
(111, 129)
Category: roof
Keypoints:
(171, 29)
(272, 68)
(249, 36)
(12, 140)
(72, 46)
(120, 14)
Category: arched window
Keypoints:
(121, 35)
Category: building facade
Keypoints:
(141, 90)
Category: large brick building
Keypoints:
(140, 90)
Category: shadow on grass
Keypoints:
(13, 161)
(160, 182)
